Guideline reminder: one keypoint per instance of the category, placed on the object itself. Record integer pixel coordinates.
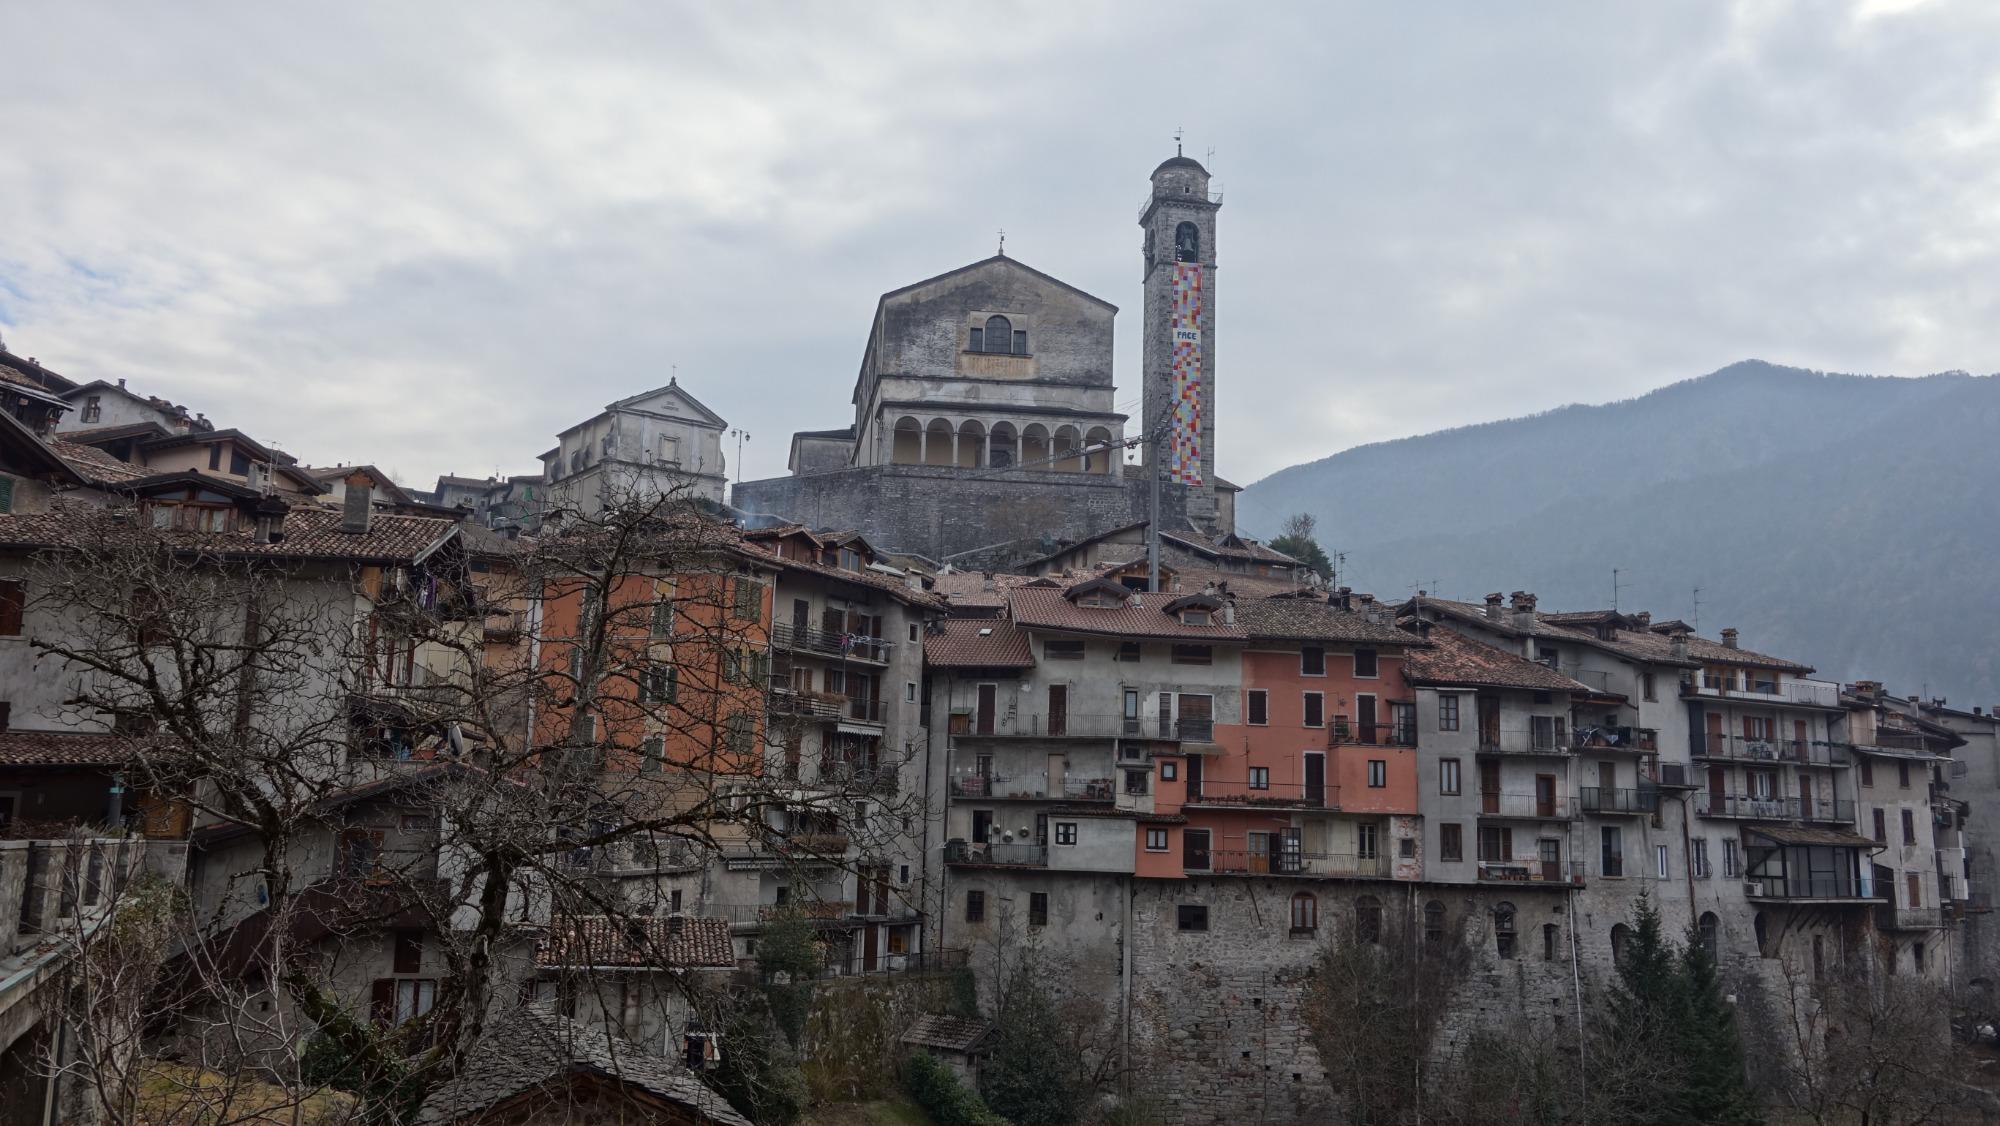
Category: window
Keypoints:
(13, 602)
(1620, 933)
(975, 906)
(6, 494)
(663, 618)
(1448, 776)
(1194, 617)
(359, 851)
(1660, 862)
(1503, 930)
(1191, 917)
(1903, 775)
(239, 463)
(1136, 781)
(658, 684)
(1069, 650)
(1038, 908)
(1260, 707)
(1434, 922)
(1867, 772)
(1020, 342)
(1909, 828)
(1368, 919)
(1315, 709)
(1065, 832)
(1169, 770)
(737, 730)
(1710, 929)
(1312, 661)
(1365, 664)
(1496, 844)
(652, 753)
(1365, 842)
(999, 334)
(1819, 958)
(1378, 773)
(913, 631)
(215, 456)
(93, 408)
(1156, 840)
(1447, 712)
(1451, 841)
(749, 600)
(1187, 243)
(1646, 687)
(1915, 885)
(1549, 933)
(1193, 655)
(978, 342)
(1917, 956)
(1542, 732)
(400, 1001)
(1260, 777)
(1700, 857)
(1881, 820)
(1406, 847)
(1305, 913)
(1129, 651)
(1611, 850)
(1731, 866)
(407, 948)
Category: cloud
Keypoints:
(430, 238)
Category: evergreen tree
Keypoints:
(1296, 540)
(1714, 1089)
(1030, 1078)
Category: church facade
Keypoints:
(985, 428)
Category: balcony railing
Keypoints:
(1908, 918)
(1342, 732)
(1031, 785)
(1798, 752)
(825, 643)
(1767, 689)
(1210, 791)
(856, 778)
(1233, 862)
(1803, 888)
(1752, 808)
(1601, 799)
(807, 705)
(752, 914)
(1085, 725)
(1526, 806)
(1524, 741)
(1563, 873)
(996, 852)
(1641, 740)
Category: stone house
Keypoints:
(662, 442)
(646, 979)
(1902, 765)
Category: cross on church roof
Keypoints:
(1003, 242)
(1178, 131)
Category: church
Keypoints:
(985, 429)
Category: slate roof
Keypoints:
(658, 941)
(533, 1046)
(1048, 608)
(95, 465)
(1639, 644)
(66, 748)
(309, 533)
(1454, 659)
(958, 645)
(1311, 619)
(967, 589)
(950, 1033)
(890, 585)
(1802, 835)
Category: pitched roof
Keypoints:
(98, 435)
(1802, 835)
(997, 259)
(968, 589)
(26, 371)
(674, 385)
(309, 533)
(1648, 644)
(887, 584)
(66, 748)
(1046, 607)
(957, 643)
(953, 1034)
(533, 1048)
(659, 941)
(1455, 659)
(1312, 619)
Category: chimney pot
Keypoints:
(1493, 606)
(1644, 618)
(356, 509)
(1729, 638)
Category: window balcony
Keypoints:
(1758, 808)
(1213, 793)
(1797, 752)
(1231, 862)
(1085, 725)
(1604, 801)
(1892, 918)
(997, 852)
(1343, 733)
(1525, 741)
(1822, 889)
(1526, 807)
(1029, 786)
(1556, 873)
(1763, 688)
(825, 643)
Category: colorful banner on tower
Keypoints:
(1184, 431)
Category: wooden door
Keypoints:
(1805, 795)
(1545, 795)
(1194, 850)
(1718, 797)
(1489, 787)
(1607, 780)
(1714, 742)
(1799, 741)
(1489, 722)
(1057, 785)
(1364, 717)
(1058, 709)
(869, 938)
(1551, 857)
(1291, 850)
(801, 615)
(1315, 778)
(1193, 769)
(989, 702)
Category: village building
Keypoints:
(658, 443)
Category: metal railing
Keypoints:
(1597, 679)
(1765, 688)
(1642, 740)
(1341, 732)
(1494, 803)
(993, 852)
(1087, 725)
(1236, 862)
(1524, 741)
(1893, 918)
(1211, 791)
(973, 783)
(1602, 799)
(827, 643)
(1774, 808)
(752, 914)
(1798, 752)
(806, 705)
(1801, 887)
(1566, 873)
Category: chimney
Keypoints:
(1644, 618)
(1493, 607)
(1524, 611)
(986, 583)
(121, 383)
(1229, 612)
(1729, 638)
(356, 508)
(1680, 646)
(270, 518)
(1872, 689)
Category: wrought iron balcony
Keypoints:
(1798, 752)
(1235, 862)
(1562, 873)
(827, 643)
(1755, 808)
(1344, 733)
(1541, 807)
(1764, 688)
(1087, 725)
(1287, 795)
(1603, 800)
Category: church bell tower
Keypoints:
(1179, 220)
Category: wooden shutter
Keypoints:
(382, 1001)
(13, 599)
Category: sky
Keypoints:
(429, 237)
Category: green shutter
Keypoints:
(6, 494)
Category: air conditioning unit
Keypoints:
(1753, 887)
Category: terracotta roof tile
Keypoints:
(662, 941)
(95, 465)
(66, 748)
(1311, 619)
(1046, 608)
(894, 587)
(309, 533)
(1458, 660)
(953, 1034)
(959, 645)
(968, 589)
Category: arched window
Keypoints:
(999, 335)
(1305, 913)
(1002, 445)
(1187, 243)
(907, 445)
(1619, 933)
(1762, 930)
(1551, 933)
(1710, 929)
(1368, 919)
(971, 444)
(1035, 447)
(1434, 922)
(1098, 460)
(1503, 929)
(937, 442)
(1065, 450)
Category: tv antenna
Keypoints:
(1697, 610)
(1616, 586)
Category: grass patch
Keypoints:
(173, 1094)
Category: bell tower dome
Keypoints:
(1179, 360)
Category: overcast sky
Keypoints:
(430, 239)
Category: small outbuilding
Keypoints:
(959, 1043)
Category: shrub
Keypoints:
(948, 1101)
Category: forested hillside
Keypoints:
(1844, 520)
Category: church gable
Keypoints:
(673, 402)
(994, 319)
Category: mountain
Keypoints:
(1846, 521)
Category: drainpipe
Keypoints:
(1125, 990)
(1576, 984)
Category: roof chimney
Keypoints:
(1493, 606)
(356, 504)
(1524, 611)
(1644, 618)
(1680, 647)
(1729, 638)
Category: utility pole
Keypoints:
(741, 437)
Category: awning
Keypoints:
(1798, 835)
(1887, 752)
